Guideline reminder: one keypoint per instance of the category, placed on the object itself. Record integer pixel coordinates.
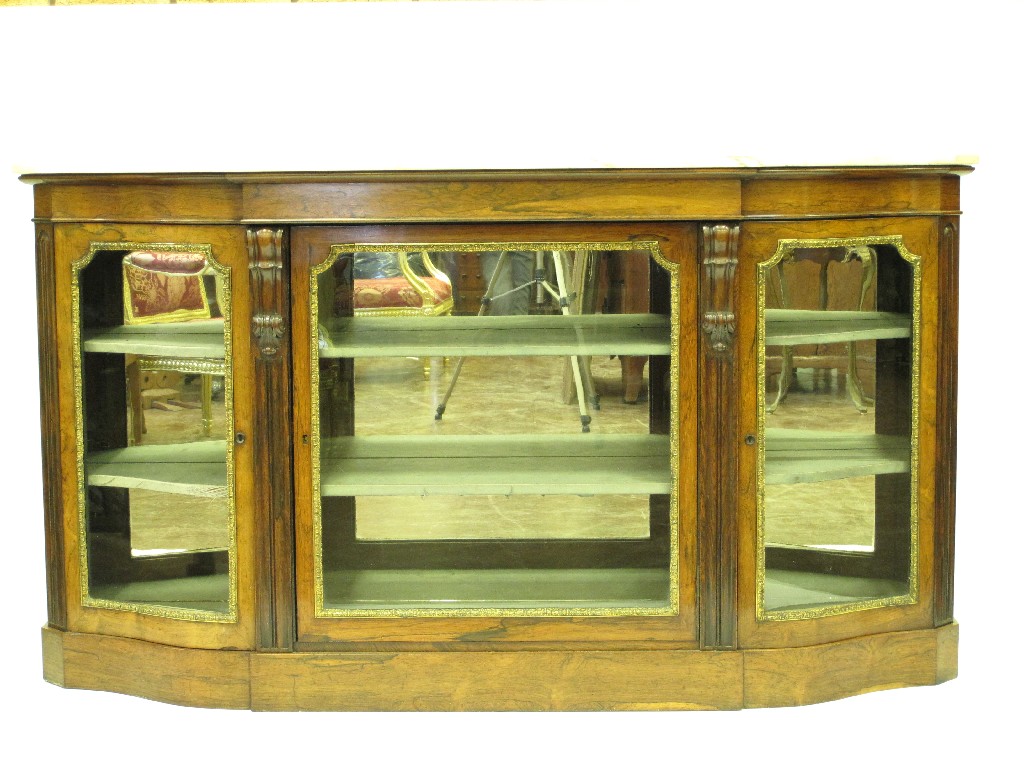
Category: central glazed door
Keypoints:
(495, 431)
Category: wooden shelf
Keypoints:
(787, 327)
(547, 588)
(189, 469)
(584, 464)
(196, 339)
(810, 456)
(517, 335)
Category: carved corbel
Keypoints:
(266, 265)
(720, 245)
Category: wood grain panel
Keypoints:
(539, 680)
(717, 439)
(542, 200)
(798, 198)
(53, 656)
(556, 679)
(948, 645)
(49, 416)
(795, 676)
(272, 448)
(152, 202)
(183, 676)
(945, 429)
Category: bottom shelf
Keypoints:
(498, 588)
(197, 593)
(789, 590)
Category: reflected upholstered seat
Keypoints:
(399, 290)
(166, 287)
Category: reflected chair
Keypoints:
(167, 287)
(392, 287)
(823, 257)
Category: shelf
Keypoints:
(810, 456)
(790, 590)
(787, 327)
(189, 469)
(197, 339)
(517, 335)
(498, 587)
(503, 465)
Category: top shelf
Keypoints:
(496, 336)
(802, 326)
(196, 339)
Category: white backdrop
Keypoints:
(531, 85)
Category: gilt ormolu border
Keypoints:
(653, 248)
(224, 297)
(764, 268)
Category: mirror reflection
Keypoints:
(837, 511)
(493, 430)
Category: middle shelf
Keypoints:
(497, 336)
(464, 465)
(194, 339)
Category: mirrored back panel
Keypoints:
(838, 387)
(154, 420)
(492, 430)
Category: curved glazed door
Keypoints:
(838, 536)
(155, 546)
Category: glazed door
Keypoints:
(494, 433)
(151, 398)
(837, 540)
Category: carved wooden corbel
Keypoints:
(720, 244)
(266, 263)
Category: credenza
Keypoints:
(492, 440)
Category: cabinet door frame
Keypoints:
(71, 243)
(310, 246)
(758, 243)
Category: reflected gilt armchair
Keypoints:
(167, 287)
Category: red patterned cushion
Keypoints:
(168, 261)
(161, 283)
(396, 292)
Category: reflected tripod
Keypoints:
(580, 371)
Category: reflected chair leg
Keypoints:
(632, 377)
(853, 383)
(785, 379)
(133, 373)
(206, 398)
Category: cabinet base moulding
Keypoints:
(500, 680)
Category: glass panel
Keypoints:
(492, 430)
(838, 461)
(154, 427)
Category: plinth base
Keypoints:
(500, 680)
